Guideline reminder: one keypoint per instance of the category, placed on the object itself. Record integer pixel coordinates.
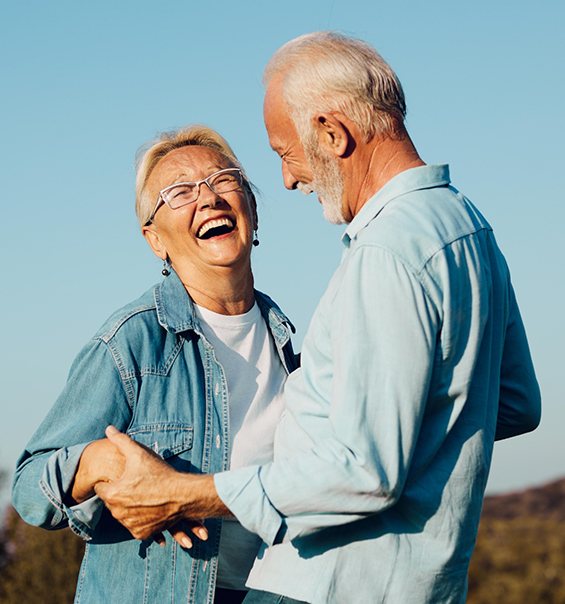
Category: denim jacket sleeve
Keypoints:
(93, 397)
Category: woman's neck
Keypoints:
(223, 290)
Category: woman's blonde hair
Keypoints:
(149, 155)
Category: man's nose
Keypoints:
(289, 181)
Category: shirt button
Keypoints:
(217, 388)
(217, 441)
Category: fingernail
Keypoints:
(186, 542)
(111, 430)
(160, 539)
(202, 533)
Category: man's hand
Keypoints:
(101, 461)
(151, 496)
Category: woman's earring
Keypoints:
(165, 270)
(255, 240)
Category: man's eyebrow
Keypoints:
(276, 148)
(274, 142)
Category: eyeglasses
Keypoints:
(182, 193)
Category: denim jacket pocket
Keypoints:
(168, 440)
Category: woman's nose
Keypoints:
(207, 198)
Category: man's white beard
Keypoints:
(328, 184)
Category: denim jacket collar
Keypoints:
(175, 309)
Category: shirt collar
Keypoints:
(423, 177)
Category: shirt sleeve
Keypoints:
(382, 335)
(92, 398)
(519, 408)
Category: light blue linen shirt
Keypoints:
(415, 361)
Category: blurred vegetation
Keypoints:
(518, 561)
(37, 566)
(520, 553)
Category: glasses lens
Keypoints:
(181, 195)
(226, 181)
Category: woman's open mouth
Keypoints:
(215, 228)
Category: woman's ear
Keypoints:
(154, 241)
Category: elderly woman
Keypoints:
(193, 369)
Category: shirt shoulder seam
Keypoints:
(107, 335)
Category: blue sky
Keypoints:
(84, 84)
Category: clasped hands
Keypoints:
(143, 492)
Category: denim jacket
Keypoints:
(150, 372)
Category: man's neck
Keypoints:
(374, 165)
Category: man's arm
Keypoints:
(519, 409)
(381, 335)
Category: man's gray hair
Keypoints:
(329, 71)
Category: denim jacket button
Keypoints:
(217, 441)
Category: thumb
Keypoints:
(101, 489)
(121, 441)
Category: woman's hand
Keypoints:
(101, 461)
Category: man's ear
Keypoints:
(332, 133)
(154, 241)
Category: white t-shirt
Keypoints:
(255, 377)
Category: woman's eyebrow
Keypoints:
(183, 177)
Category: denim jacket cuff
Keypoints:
(56, 482)
(242, 492)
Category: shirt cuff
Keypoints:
(242, 492)
(56, 483)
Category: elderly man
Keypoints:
(415, 362)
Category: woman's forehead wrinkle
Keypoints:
(194, 168)
(191, 163)
(182, 177)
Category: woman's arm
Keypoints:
(93, 397)
(101, 461)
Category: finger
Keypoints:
(180, 536)
(195, 526)
(160, 539)
(101, 488)
(198, 528)
(122, 441)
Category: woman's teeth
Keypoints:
(214, 224)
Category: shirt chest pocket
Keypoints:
(171, 441)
